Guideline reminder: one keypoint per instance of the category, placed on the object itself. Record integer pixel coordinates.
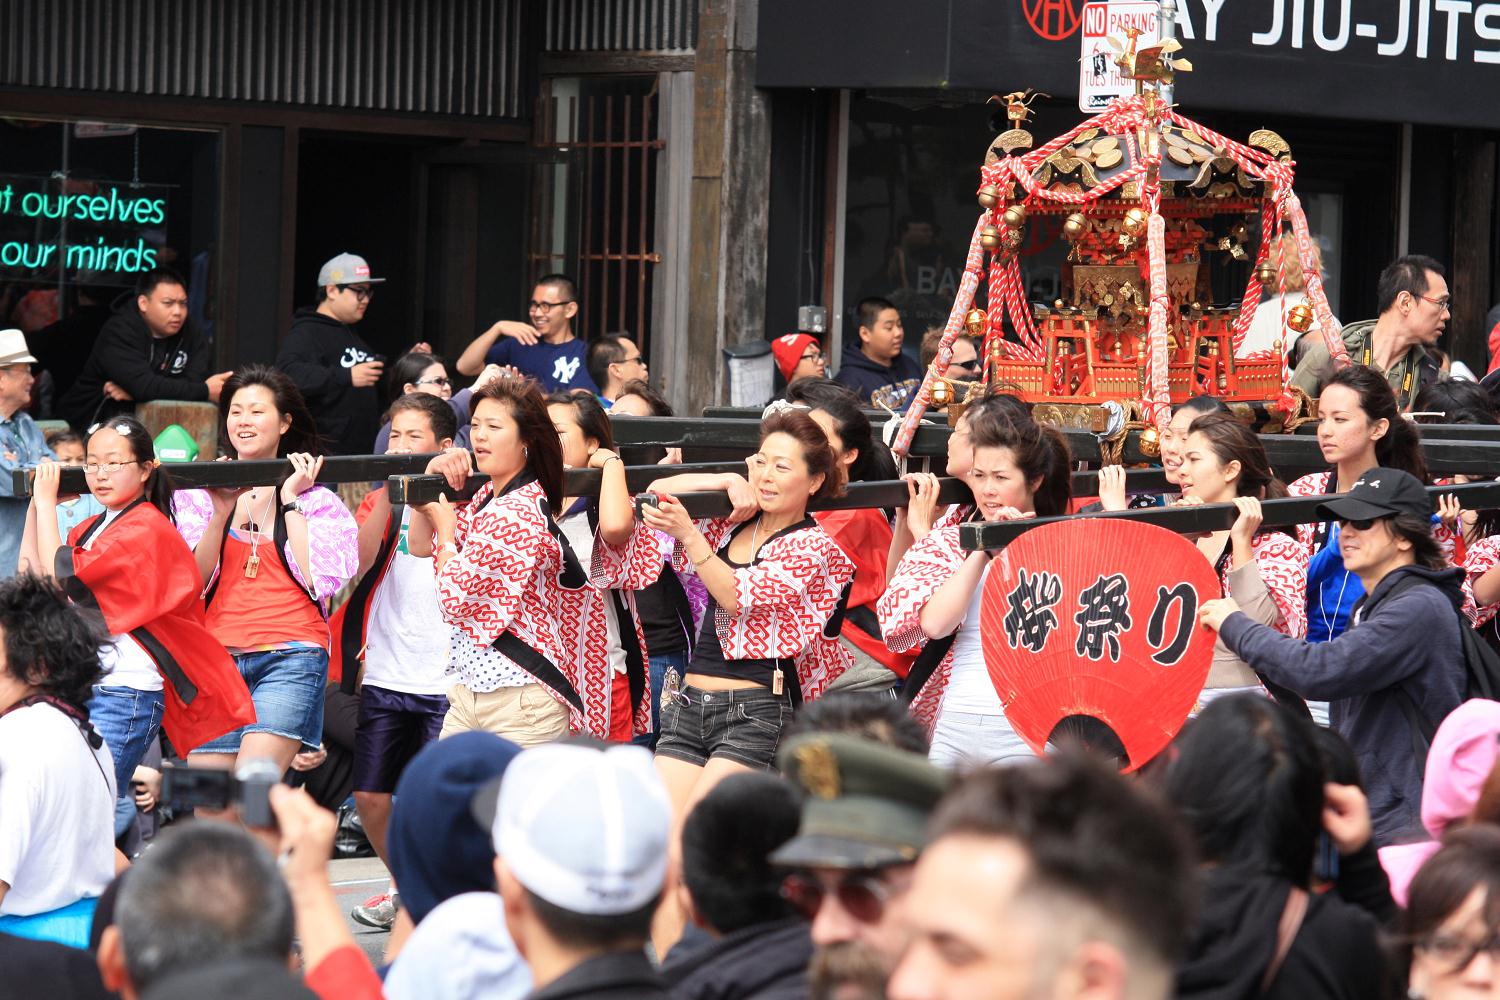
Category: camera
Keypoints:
(248, 789)
(643, 500)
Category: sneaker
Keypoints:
(377, 911)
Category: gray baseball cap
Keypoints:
(346, 269)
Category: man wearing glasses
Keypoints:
(1413, 301)
(21, 443)
(331, 363)
(864, 823)
(546, 349)
(614, 359)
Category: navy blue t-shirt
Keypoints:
(554, 366)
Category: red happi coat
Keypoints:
(142, 577)
(623, 569)
(926, 566)
(788, 599)
(506, 577)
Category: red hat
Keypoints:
(789, 350)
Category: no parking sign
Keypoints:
(1099, 79)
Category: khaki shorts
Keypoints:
(526, 715)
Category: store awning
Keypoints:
(1380, 60)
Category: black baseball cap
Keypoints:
(1380, 492)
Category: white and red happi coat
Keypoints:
(1281, 561)
(926, 566)
(506, 576)
(786, 599)
(584, 625)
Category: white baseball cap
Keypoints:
(585, 828)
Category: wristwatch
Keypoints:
(293, 505)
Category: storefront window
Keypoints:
(85, 209)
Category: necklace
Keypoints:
(754, 538)
(252, 565)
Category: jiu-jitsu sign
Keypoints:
(1098, 618)
(1099, 79)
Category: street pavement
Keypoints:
(354, 881)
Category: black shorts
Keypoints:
(393, 726)
(743, 725)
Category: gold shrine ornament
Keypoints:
(1300, 317)
(975, 321)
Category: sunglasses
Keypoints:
(439, 380)
(1363, 524)
(862, 894)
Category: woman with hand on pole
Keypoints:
(271, 559)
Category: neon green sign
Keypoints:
(49, 226)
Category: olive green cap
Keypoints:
(866, 804)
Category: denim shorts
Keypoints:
(286, 686)
(742, 725)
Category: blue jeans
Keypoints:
(286, 686)
(128, 720)
(659, 665)
(12, 524)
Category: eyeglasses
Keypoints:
(1456, 952)
(546, 307)
(17, 370)
(1442, 303)
(105, 469)
(1364, 524)
(862, 894)
(436, 380)
(814, 356)
(361, 292)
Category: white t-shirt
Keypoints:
(406, 640)
(57, 812)
(969, 686)
(124, 662)
(575, 528)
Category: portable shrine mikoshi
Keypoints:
(1148, 198)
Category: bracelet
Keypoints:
(700, 562)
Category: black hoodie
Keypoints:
(147, 367)
(892, 384)
(319, 354)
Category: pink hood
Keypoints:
(1463, 753)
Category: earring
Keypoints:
(525, 452)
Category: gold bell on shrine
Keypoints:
(1150, 442)
(1015, 216)
(975, 321)
(1134, 222)
(1075, 226)
(1265, 273)
(989, 197)
(940, 393)
(989, 238)
(1300, 317)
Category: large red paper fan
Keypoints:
(1098, 618)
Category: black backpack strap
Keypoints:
(1422, 728)
(926, 665)
(537, 665)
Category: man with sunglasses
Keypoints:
(546, 348)
(1399, 668)
(615, 359)
(1413, 303)
(331, 363)
(864, 822)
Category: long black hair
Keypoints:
(1400, 447)
(524, 401)
(592, 418)
(158, 486)
(873, 462)
(408, 368)
(301, 436)
(1248, 780)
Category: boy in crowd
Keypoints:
(394, 626)
(873, 366)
